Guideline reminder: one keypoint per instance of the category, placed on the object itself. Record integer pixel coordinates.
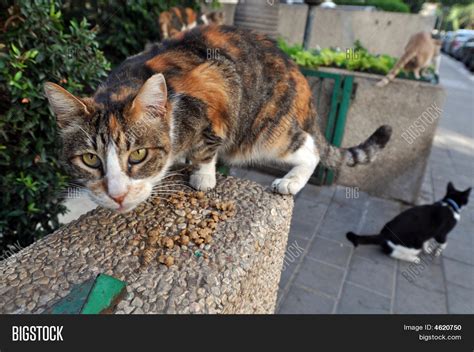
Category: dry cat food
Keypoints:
(190, 219)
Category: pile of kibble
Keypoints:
(192, 221)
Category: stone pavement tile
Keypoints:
(309, 211)
(412, 299)
(379, 278)
(299, 229)
(443, 171)
(460, 299)
(343, 215)
(439, 188)
(466, 169)
(330, 252)
(320, 277)
(427, 275)
(375, 254)
(378, 213)
(319, 194)
(293, 256)
(462, 251)
(356, 300)
(303, 301)
(260, 177)
(463, 232)
(459, 273)
(307, 216)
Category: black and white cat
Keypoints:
(409, 232)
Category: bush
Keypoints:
(124, 27)
(389, 5)
(357, 59)
(385, 5)
(37, 47)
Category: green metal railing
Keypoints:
(336, 119)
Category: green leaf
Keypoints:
(15, 49)
(17, 76)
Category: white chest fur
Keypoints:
(456, 215)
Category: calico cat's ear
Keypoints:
(65, 106)
(151, 98)
(451, 187)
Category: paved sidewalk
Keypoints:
(328, 276)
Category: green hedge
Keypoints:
(125, 26)
(386, 5)
(38, 46)
(355, 59)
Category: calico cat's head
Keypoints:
(460, 197)
(117, 150)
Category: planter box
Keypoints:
(411, 108)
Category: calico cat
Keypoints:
(420, 52)
(179, 19)
(245, 103)
(409, 232)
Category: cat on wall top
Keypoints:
(250, 103)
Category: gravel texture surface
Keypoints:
(180, 252)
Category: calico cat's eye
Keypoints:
(91, 160)
(137, 156)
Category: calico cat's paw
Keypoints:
(287, 185)
(203, 182)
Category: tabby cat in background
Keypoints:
(179, 19)
(421, 51)
(249, 104)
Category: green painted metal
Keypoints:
(73, 302)
(93, 296)
(223, 169)
(338, 132)
(336, 120)
(106, 290)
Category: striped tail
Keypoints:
(334, 157)
(406, 58)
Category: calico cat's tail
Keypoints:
(406, 57)
(356, 239)
(333, 157)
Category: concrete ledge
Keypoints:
(412, 108)
(238, 272)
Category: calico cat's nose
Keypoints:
(119, 199)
